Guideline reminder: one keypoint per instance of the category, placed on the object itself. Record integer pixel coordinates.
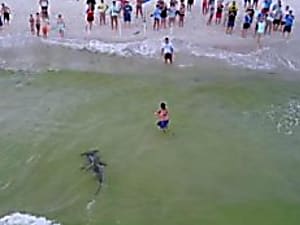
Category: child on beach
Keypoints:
(102, 8)
(31, 24)
(167, 51)
(45, 27)
(156, 16)
(61, 26)
(163, 117)
(127, 10)
(38, 24)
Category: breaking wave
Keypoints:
(264, 59)
(25, 219)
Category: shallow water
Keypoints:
(223, 162)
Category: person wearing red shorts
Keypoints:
(219, 12)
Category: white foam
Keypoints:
(25, 219)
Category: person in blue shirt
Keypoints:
(127, 10)
(157, 16)
(289, 22)
(266, 6)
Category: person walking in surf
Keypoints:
(163, 117)
(167, 51)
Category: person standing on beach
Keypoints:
(255, 4)
(89, 19)
(246, 24)
(289, 22)
(286, 12)
(127, 10)
(219, 12)
(172, 12)
(38, 24)
(1, 22)
(278, 14)
(163, 15)
(226, 13)
(156, 16)
(211, 14)
(6, 13)
(44, 4)
(231, 17)
(204, 7)
(269, 22)
(102, 8)
(181, 14)
(139, 9)
(31, 24)
(61, 26)
(114, 14)
(261, 27)
(190, 4)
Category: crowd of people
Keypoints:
(263, 17)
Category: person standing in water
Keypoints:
(167, 51)
(163, 117)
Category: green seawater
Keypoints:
(223, 161)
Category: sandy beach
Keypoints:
(196, 39)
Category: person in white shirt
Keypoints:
(167, 51)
